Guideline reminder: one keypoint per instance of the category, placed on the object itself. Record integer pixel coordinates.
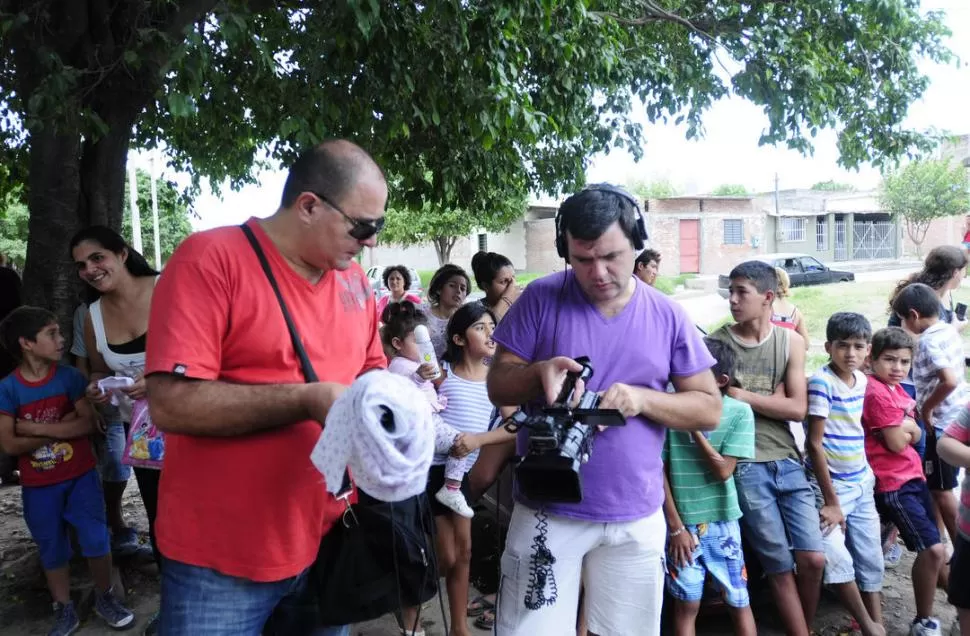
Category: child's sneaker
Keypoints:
(925, 627)
(66, 621)
(454, 500)
(893, 556)
(116, 615)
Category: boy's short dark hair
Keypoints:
(762, 275)
(844, 325)
(919, 297)
(23, 322)
(726, 361)
(889, 339)
(645, 257)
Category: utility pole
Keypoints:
(777, 205)
(158, 245)
(135, 218)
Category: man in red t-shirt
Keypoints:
(241, 508)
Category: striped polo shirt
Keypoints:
(841, 405)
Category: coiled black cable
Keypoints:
(541, 574)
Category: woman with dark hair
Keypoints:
(446, 294)
(647, 266)
(495, 276)
(120, 283)
(397, 280)
(944, 269)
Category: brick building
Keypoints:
(709, 235)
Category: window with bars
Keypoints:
(483, 242)
(821, 234)
(791, 229)
(733, 232)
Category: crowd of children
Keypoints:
(811, 516)
(816, 519)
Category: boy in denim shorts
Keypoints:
(45, 420)
(701, 507)
(901, 493)
(780, 519)
(841, 477)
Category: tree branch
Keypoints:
(185, 13)
(655, 13)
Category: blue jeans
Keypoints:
(111, 450)
(779, 512)
(197, 600)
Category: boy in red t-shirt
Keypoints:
(45, 420)
(901, 493)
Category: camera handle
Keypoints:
(569, 385)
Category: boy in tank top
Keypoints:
(780, 519)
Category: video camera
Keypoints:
(560, 441)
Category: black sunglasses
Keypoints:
(361, 230)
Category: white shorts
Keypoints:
(621, 565)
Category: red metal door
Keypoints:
(690, 246)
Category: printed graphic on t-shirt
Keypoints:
(353, 291)
(52, 455)
(51, 409)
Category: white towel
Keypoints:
(113, 384)
(381, 428)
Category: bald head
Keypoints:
(333, 168)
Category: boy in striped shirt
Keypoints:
(702, 509)
(841, 477)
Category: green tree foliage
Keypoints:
(730, 190)
(409, 226)
(833, 186)
(13, 230)
(922, 191)
(657, 189)
(498, 95)
(174, 222)
(174, 216)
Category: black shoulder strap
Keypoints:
(308, 372)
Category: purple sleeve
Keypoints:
(518, 331)
(688, 353)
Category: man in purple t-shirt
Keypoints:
(637, 341)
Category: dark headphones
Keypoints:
(639, 237)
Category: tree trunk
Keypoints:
(73, 184)
(55, 188)
(443, 246)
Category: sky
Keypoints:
(728, 153)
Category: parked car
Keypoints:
(375, 276)
(802, 270)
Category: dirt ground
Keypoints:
(25, 604)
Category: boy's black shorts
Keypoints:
(958, 592)
(939, 474)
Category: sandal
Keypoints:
(486, 620)
(479, 605)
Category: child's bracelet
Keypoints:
(676, 532)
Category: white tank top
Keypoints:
(129, 364)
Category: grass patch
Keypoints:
(818, 303)
(669, 284)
